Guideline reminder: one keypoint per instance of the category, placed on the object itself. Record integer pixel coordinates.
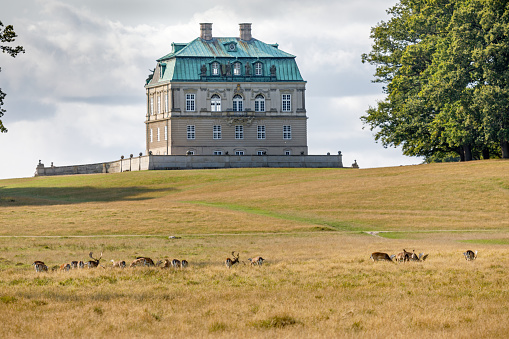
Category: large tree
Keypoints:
(7, 35)
(444, 64)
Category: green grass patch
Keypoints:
(487, 241)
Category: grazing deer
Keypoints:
(74, 264)
(184, 263)
(423, 256)
(400, 257)
(94, 262)
(470, 255)
(120, 264)
(166, 263)
(38, 262)
(408, 255)
(230, 262)
(175, 263)
(142, 261)
(65, 267)
(81, 264)
(377, 256)
(256, 261)
(40, 266)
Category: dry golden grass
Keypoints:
(466, 196)
(312, 285)
(309, 224)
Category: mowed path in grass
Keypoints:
(452, 196)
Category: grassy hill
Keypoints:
(317, 282)
(451, 196)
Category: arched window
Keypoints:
(259, 103)
(237, 68)
(258, 68)
(238, 103)
(215, 103)
(215, 68)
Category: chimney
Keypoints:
(206, 31)
(245, 32)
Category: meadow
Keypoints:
(309, 224)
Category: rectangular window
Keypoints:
(165, 133)
(287, 152)
(191, 132)
(239, 152)
(261, 132)
(151, 136)
(218, 153)
(287, 102)
(166, 102)
(158, 103)
(236, 68)
(258, 68)
(287, 132)
(190, 102)
(239, 132)
(215, 68)
(151, 105)
(262, 153)
(158, 134)
(216, 132)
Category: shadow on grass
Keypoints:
(40, 196)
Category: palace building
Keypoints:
(226, 96)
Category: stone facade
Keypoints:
(218, 96)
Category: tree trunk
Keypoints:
(505, 149)
(485, 153)
(468, 152)
(461, 153)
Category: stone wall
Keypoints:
(179, 162)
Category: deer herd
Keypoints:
(229, 262)
(412, 256)
(94, 263)
(40, 266)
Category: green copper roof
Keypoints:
(185, 62)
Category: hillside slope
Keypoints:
(451, 196)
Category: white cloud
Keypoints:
(77, 94)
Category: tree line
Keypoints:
(444, 66)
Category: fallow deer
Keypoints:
(470, 255)
(184, 263)
(40, 266)
(81, 264)
(408, 255)
(175, 263)
(256, 261)
(74, 264)
(65, 267)
(230, 262)
(377, 256)
(94, 262)
(142, 261)
(400, 257)
(120, 264)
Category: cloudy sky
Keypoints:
(76, 96)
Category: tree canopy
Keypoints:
(7, 35)
(444, 66)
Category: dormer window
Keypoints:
(230, 46)
(215, 68)
(258, 68)
(236, 68)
